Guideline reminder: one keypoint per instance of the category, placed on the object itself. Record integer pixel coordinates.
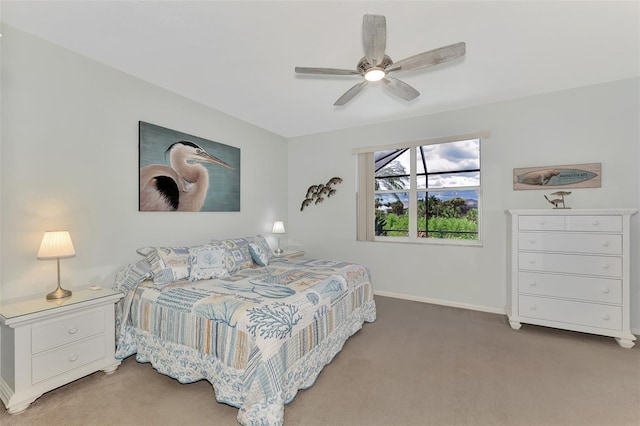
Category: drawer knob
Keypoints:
(532, 261)
(532, 283)
(596, 223)
(533, 307)
(605, 266)
(73, 358)
(73, 330)
(605, 317)
(605, 244)
(532, 242)
(541, 222)
(605, 290)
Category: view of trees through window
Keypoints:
(429, 191)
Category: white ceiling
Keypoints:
(239, 57)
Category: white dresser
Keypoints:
(569, 269)
(49, 343)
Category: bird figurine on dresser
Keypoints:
(557, 202)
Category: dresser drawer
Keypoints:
(594, 223)
(571, 242)
(566, 311)
(65, 358)
(593, 289)
(66, 329)
(571, 264)
(541, 223)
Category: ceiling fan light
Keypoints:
(374, 75)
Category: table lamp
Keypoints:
(278, 228)
(56, 244)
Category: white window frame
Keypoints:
(366, 193)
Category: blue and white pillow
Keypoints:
(168, 264)
(207, 262)
(260, 250)
(237, 256)
(259, 255)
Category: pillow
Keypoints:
(259, 255)
(237, 256)
(262, 242)
(168, 264)
(207, 262)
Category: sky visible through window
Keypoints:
(444, 157)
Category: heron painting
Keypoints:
(181, 172)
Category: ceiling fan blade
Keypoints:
(400, 88)
(430, 58)
(374, 36)
(350, 94)
(326, 71)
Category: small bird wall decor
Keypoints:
(317, 193)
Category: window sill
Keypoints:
(429, 241)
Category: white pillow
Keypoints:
(207, 262)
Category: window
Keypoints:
(423, 192)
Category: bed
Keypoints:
(257, 327)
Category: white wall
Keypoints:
(587, 125)
(70, 160)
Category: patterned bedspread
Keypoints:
(257, 336)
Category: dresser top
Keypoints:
(574, 212)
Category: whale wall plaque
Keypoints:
(566, 176)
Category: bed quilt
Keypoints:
(258, 335)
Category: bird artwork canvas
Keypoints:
(182, 172)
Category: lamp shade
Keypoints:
(56, 244)
(278, 227)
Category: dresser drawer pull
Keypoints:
(605, 244)
(605, 266)
(532, 261)
(73, 358)
(532, 242)
(605, 317)
(596, 223)
(532, 307)
(541, 222)
(532, 283)
(73, 330)
(605, 290)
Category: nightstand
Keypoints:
(47, 343)
(291, 254)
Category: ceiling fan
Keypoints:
(376, 66)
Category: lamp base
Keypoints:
(58, 293)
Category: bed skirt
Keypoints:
(229, 384)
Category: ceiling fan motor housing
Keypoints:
(364, 65)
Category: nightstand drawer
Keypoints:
(568, 242)
(66, 358)
(566, 311)
(68, 328)
(603, 290)
(571, 264)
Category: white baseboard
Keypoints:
(635, 331)
(441, 302)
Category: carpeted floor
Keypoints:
(418, 364)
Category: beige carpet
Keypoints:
(418, 364)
